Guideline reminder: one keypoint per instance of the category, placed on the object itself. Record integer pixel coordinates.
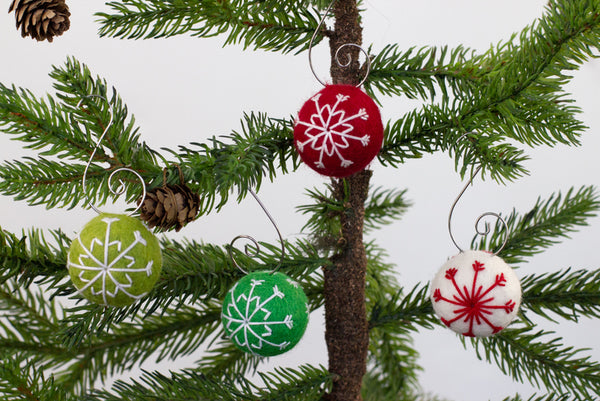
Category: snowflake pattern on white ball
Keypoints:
(476, 294)
(329, 131)
(250, 311)
(105, 267)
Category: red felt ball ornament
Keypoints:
(339, 131)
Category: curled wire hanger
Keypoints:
(121, 188)
(486, 229)
(255, 250)
(337, 52)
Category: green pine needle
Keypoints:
(566, 294)
(513, 91)
(252, 24)
(536, 357)
(305, 383)
(542, 226)
(21, 381)
(548, 397)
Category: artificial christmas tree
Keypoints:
(511, 95)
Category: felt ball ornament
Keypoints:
(339, 131)
(115, 260)
(265, 313)
(476, 294)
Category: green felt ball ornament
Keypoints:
(265, 313)
(115, 260)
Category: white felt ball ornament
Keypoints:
(115, 260)
(265, 313)
(338, 131)
(476, 294)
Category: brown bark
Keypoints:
(346, 31)
(346, 326)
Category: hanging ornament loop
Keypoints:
(119, 187)
(337, 52)
(253, 249)
(486, 227)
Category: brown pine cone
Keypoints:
(41, 19)
(170, 206)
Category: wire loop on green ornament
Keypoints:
(252, 250)
(121, 188)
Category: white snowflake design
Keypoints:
(329, 130)
(106, 267)
(254, 316)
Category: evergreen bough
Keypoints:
(500, 102)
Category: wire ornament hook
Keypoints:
(252, 250)
(337, 52)
(486, 229)
(121, 187)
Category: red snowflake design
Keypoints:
(474, 304)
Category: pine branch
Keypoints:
(548, 397)
(304, 383)
(410, 311)
(39, 123)
(284, 384)
(561, 40)
(391, 362)
(567, 294)
(54, 128)
(95, 340)
(195, 271)
(74, 83)
(263, 148)
(381, 282)
(40, 181)
(393, 366)
(27, 333)
(372, 392)
(533, 356)
(77, 366)
(27, 314)
(542, 226)
(174, 333)
(522, 98)
(184, 386)
(31, 257)
(192, 274)
(381, 208)
(437, 128)
(21, 381)
(252, 24)
(323, 223)
(384, 206)
(420, 73)
(225, 359)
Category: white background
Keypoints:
(185, 89)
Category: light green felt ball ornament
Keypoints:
(265, 313)
(115, 260)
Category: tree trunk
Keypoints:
(346, 326)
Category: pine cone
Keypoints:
(41, 19)
(170, 206)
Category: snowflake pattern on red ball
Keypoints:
(338, 131)
(472, 304)
(329, 130)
